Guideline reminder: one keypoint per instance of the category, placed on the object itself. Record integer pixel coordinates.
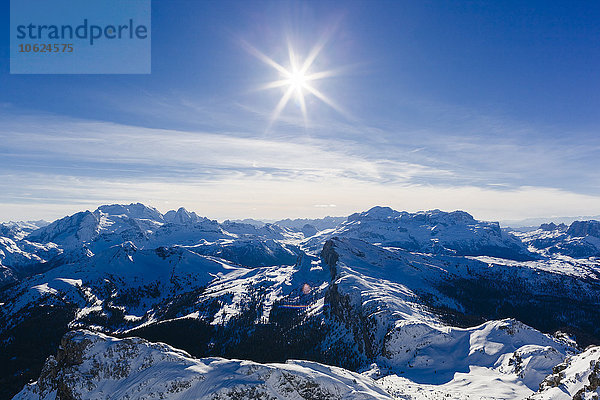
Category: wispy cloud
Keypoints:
(52, 165)
(84, 148)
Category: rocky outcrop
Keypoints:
(330, 257)
(552, 227)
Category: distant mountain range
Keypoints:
(535, 222)
(381, 304)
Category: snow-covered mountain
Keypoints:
(125, 289)
(421, 305)
(462, 289)
(297, 224)
(106, 226)
(435, 231)
(181, 217)
(91, 365)
(581, 239)
(251, 252)
(87, 233)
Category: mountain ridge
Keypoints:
(432, 300)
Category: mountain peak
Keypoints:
(133, 210)
(377, 212)
(381, 210)
(181, 216)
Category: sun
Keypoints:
(297, 80)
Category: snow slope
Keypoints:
(389, 291)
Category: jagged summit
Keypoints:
(319, 223)
(181, 216)
(578, 377)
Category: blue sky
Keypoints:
(490, 107)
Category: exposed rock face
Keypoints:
(7, 276)
(577, 378)
(70, 355)
(330, 256)
(584, 228)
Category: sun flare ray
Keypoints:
(274, 84)
(326, 100)
(312, 56)
(281, 105)
(296, 80)
(264, 58)
(323, 74)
